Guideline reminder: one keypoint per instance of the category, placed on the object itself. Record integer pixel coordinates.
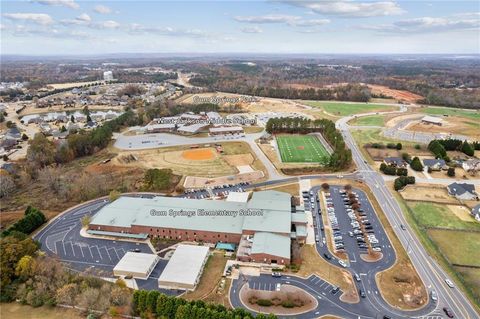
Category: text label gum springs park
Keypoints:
(206, 213)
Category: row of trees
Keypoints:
(341, 157)
(32, 219)
(392, 170)
(439, 148)
(403, 181)
(153, 304)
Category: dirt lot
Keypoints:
(239, 159)
(293, 189)
(461, 212)
(427, 193)
(400, 95)
(451, 124)
(174, 159)
(201, 182)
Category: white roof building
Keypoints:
(239, 197)
(432, 119)
(184, 268)
(137, 265)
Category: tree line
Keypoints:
(439, 148)
(32, 219)
(341, 157)
(43, 152)
(153, 304)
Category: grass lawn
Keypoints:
(371, 120)
(460, 247)
(474, 115)
(472, 277)
(301, 149)
(343, 109)
(433, 215)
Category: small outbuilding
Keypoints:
(184, 268)
(137, 265)
(432, 120)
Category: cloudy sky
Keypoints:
(50, 27)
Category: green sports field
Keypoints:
(301, 149)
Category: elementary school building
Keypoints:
(262, 228)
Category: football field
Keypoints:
(301, 149)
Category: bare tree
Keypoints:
(7, 185)
(51, 178)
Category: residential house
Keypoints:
(435, 164)
(471, 165)
(476, 212)
(395, 161)
(462, 191)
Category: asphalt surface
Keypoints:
(61, 238)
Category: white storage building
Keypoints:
(137, 265)
(184, 268)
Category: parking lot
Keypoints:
(61, 238)
(215, 191)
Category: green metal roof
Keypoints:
(272, 244)
(271, 212)
(301, 231)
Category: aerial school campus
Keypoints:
(204, 184)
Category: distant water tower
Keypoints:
(108, 76)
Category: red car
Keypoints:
(448, 312)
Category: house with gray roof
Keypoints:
(476, 212)
(395, 161)
(435, 164)
(462, 191)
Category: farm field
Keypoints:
(301, 149)
(344, 109)
(434, 215)
(460, 247)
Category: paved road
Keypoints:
(431, 273)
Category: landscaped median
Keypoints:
(288, 301)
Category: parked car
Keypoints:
(278, 286)
(335, 290)
(433, 295)
(276, 274)
(357, 277)
(327, 256)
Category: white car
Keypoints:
(449, 283)
(342, 263)
(278, 286)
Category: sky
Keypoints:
(74, 27)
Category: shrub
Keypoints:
(416, 164)
(391, 146)
(399, 146)
(451, 171)
(288, 304)
(264, 302)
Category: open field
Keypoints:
(344, 109)
(464, 277)
(474, 115)
(15, 310)
(459, 247)
(454, 124)
(371, 120)
(428, 193)
(435, 215)
(301, 149)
